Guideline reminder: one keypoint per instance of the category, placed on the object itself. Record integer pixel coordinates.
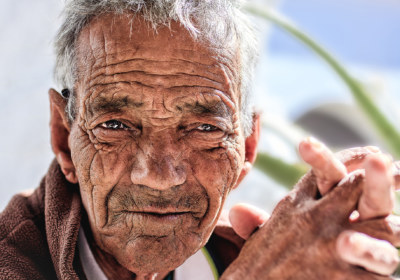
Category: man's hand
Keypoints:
(312, 238)
(376, 201)
(377, 198)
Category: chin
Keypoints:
(154, 254)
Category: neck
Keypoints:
(110, 266)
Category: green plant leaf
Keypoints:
(383, 126)
(280, 171)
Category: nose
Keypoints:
(160, 172)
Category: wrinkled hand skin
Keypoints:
(299, 240)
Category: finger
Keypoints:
(387, 228)
(353, 158)
(377, 198)
(374, 255)
(343, 199)
(326, 167)
(245, 219)
(396, 174)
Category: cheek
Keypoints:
(219, 168)
(215, 174)
(99, 168)
(82, 153)
(96, 163)
(217, 171)
(107, 167)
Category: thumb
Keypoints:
(246, 219)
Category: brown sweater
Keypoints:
(39, 233)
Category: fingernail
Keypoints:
(315, 143)
(354, 216)
(373, 149)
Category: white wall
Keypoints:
(26, 61)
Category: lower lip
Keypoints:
(163, 217)
(168, 218)
(154, 224)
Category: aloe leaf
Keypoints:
(280, 171)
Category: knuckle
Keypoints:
(352, 154)
(370, 205)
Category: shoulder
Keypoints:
(24, 251)
(21, 211)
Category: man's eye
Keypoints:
(207, 127)
(114, 124)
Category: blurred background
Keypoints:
(298, 93)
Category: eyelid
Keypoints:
(131, 127)
(214, 128)
(219, 122)
(126, 127)
(102, 118)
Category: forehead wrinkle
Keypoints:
(101, 40)
(105, 48)
(154, 80)
(101, 81)
(114, 58)
(91, 53)
(232, 82)
(172, 74)
(102, 52)
(97, 43)
(167, 67)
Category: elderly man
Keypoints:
(151, 132)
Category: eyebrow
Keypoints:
(103, 105)
(213, 108)
(106, 105)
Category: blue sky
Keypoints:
(358, 31)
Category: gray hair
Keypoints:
(220, 23)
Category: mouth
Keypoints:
(158, 214)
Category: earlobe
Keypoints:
(59, 130)
(250, 148)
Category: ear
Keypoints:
(250, 148)
(59, 130)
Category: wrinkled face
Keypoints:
(157, 143)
